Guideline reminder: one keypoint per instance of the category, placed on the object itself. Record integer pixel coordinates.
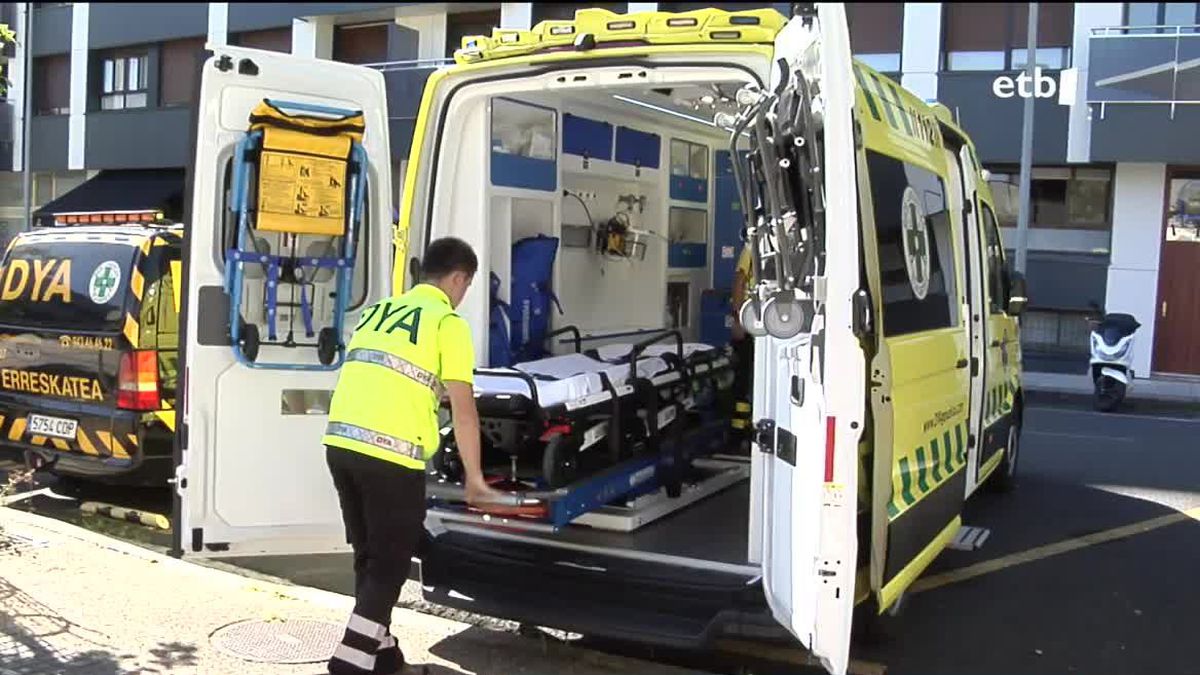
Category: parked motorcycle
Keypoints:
(1112, 358)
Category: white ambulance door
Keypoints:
(251, 476)
(812, 386)
(977, 309)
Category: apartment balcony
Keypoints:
(1143, 90)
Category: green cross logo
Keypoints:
(915, 241)
(105, 280)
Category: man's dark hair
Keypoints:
(447, 255)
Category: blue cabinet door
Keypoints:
(587, 138)
(728, 222)
(638, 148)
(727, 246)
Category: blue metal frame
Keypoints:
(236, 259)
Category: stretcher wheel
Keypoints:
(249, 341)
(560, 461)
(783, 319)
(327, 346)
(749, 320)
(450, 466)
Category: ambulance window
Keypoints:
(916, 254)
(66, 285)
(995, 261)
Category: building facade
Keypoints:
(1114, 178)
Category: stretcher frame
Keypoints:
(668, 448)
(239, 256)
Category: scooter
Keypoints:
(1112, 359)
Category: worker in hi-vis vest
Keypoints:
(383, 425)
(743, 346)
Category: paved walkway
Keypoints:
(78, 603)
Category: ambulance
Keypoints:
(89, 333)
(887, 385)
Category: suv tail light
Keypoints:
(137, 381)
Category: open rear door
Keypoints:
(251, 476)
(809, 387)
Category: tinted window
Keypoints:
(68, 285)
(916, 256)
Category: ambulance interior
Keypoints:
(562, 161)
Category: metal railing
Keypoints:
(411, 64)
(1149, 65)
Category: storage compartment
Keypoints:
(524, 145)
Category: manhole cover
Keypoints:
(279, 641)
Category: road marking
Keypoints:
(792, 655)
(1057, 548)
(969, 538)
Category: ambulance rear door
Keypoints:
(251, 474)
(809, 389)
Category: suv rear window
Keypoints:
(65, 285)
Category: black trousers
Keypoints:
(383, 507)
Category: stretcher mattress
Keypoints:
(571, 377)
(565, 378)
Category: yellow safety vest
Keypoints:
(389, 390)
(745, 265)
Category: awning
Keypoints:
(120, 191)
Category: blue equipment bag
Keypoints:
(499, 348)
(532, 269)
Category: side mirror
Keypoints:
(1018, 298)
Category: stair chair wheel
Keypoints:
(249, 341)
(327, 346)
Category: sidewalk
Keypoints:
(1147, 389)
(78, 603)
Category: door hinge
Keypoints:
(970, 440)
(764, 435)
(974, 366)
(969, 208)
(858, 135)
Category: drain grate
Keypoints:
(279, 640)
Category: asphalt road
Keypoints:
(1065, 583)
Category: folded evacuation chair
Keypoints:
(529, 311)
(299, 183)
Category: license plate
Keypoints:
(43, 425)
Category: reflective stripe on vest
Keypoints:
(403, 366)
(375, 439)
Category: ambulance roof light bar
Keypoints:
(146, 217)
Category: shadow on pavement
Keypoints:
(489, 652)
(35, 640)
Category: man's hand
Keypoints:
(466, 435)
(480, 493)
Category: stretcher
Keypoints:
(571, 433)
